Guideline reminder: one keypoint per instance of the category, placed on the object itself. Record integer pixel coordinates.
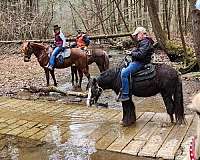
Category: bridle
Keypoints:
(29, 52)
(98, 91)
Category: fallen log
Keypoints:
(34, 89)
(68, 39)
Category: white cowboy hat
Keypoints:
(138, 30)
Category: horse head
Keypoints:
(94, 92)
(27, 51)
(108, 79)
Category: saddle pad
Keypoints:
(147, 73)
(65, 54)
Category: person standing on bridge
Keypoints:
(140, 56)
(60, 43)
(82, 40)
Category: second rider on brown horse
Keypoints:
(82, 40)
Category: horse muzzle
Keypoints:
(26, 59)
(89, 102)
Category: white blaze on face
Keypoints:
(89, 97)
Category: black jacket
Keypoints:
(143, 51)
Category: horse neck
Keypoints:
(38, 49)
(113, 82)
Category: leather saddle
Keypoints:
(147, 72)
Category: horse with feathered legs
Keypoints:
(166, 81)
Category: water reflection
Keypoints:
(76, 147)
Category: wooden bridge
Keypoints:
(149, 137)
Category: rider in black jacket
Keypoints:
(140, 56)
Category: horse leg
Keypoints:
(53, 76)
(169, 103)
(72, 74)
(129, 116)
(101, 67)
(87, 74)
(80, 72)
(76, 75)
(47, 76)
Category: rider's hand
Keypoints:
(62, 49)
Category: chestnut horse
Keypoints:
(98, 56)
(42, 51)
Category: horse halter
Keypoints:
(28, 52)
(93, 94)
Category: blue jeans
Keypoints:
(133, 67)
(52, 60)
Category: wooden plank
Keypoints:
(105, 127)
(30, 132)
(22, 128)
(127, 134)
(134, 147)
(6, 102)
(41, 134)
(157, 138)
(12, 124)
(2, 98)
(173, 141)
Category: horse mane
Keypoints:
(111, 78)
(39, 46)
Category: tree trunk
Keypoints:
(167, 18)
(160, 36)
(196, 33)
(181, 29)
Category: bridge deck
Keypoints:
(150, 136)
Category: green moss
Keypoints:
(175, 47)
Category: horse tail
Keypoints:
(106, 61)
(178, 102)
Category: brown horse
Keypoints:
(99, 56)
(42, 51)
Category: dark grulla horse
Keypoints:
(41, 52)
(167, 82)
(98, 56)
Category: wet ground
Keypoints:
(15, 74)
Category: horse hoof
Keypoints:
(123, 124)
(165, 125)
